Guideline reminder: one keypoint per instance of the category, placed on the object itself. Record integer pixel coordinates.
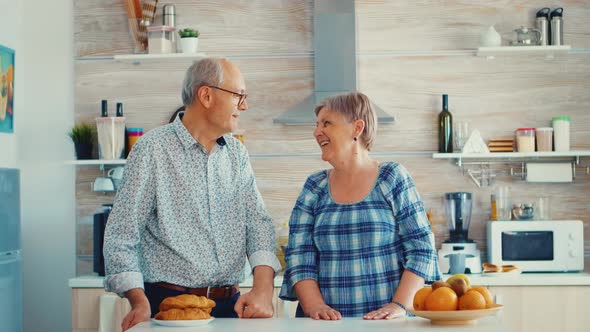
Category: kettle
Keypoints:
(527, 36)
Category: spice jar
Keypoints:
(525, 139)
(561, 131)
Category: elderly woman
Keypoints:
(360, 243)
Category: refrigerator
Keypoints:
(11, 294)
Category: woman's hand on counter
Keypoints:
(389, 311)
(324, 312)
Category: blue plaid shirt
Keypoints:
(357, 252)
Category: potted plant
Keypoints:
(189, 40)
(83, 135)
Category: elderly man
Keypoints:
(189, 212)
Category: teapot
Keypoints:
(527, 36)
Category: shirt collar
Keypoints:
(186, 138)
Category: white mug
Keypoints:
(102, 184)
(116, 174)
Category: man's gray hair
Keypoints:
(207, 71)
(354, 106)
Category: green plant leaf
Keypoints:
(83, 133)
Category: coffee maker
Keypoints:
(100, 222)
(458, 254)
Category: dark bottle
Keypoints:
(445, 128)
(104, 111)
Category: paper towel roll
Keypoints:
(549, 172)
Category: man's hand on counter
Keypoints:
(258, 302)
(140, 308)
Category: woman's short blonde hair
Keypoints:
(354, 106)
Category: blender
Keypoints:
(458, 254)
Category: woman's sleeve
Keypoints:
(301, 253)
(416, 235)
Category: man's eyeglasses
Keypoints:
(242, 96)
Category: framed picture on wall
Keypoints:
(6, 90)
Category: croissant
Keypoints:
(187, 301)
(182, 314)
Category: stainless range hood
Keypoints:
(335, 60)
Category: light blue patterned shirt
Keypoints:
(185, 216)
(357, 252)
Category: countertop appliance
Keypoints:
(100, 222)
(459, 249)
(537, 246)
(11, 301)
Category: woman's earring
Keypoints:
(355, 139)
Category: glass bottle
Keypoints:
(493, 208)
(445, 128)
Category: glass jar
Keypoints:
(561, 131)
(544, 139)
(525, 139)
(133, 135)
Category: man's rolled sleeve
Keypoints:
(260, 232)
(132, 208)
(122, 282)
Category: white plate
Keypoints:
(176, 323)
(502, 274)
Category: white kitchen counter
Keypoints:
(524, 279)
(97, 282)
(491, 324)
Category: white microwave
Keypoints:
(537, 246)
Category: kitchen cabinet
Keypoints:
(86, 309)
(544, 308)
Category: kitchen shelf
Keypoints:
(155, 57)
(512, 155)
(105, 162)
(108, 162)
(516, 160)
(482, 52)
(138, 58)
(549, 51)
(97, 162)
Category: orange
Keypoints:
(420, 297)
(472, 300)
(441, 299)
(486, 294)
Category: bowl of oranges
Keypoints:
(454, 302)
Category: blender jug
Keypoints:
(458, 212)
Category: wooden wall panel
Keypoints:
(392, 25)
(226, 27)
(271, 41)
(494, 96)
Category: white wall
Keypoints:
(9, 27)
(44, 113)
